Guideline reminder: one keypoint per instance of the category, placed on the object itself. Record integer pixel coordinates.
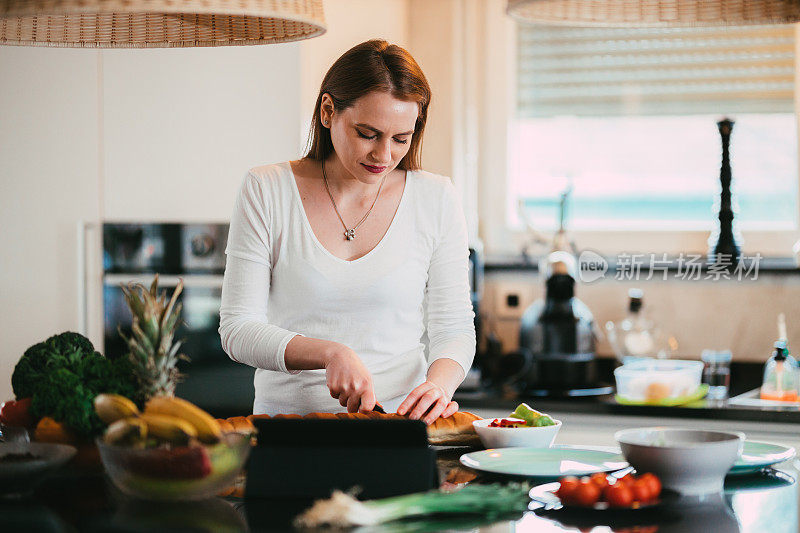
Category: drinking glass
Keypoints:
(717, 373)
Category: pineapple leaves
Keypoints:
(168, 311)
(152, 349)
(154, 287)
(136, 305)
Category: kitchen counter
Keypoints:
(593, 422)
(703, 409)
(755, 503)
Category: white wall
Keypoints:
(181, 127)
(48, 181)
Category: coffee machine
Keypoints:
(557, 338)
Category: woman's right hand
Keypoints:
(349, 381)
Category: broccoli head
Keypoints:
(64, 374)
(62, 350)
(65, 398)
(69, 342)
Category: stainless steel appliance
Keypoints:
(194, 253)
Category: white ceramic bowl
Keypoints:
(690, 461)
(528, 437)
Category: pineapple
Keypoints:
(153, 352)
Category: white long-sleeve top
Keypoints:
(281, 282)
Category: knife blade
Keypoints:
(377, 409)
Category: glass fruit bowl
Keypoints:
(192, 472)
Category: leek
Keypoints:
(343, 510)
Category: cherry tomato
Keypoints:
(654, 484)
(627, 480)
(587, 493)
(507, 423)
(17, 413)
(567, 488)
(600, 480)
(618, 495)
(641, 491)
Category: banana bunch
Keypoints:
(166, 418)
(205, 427)
(113, 407)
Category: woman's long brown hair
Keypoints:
(372, 66)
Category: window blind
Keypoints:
(654, 71)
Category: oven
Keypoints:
(194, 253)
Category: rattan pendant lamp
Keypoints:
(655, 13)
(158, 23)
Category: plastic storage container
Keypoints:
(654, 381)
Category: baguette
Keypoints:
(455, 430)
(225, 425)
(241, 424)
(321, 416)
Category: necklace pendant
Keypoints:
(350, 234)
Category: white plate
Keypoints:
(759, 455)
(19, 477)
(550, 463)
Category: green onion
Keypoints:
(343, 510)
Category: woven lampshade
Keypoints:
(655, 13)
(158, 23)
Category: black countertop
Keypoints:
(766, 501)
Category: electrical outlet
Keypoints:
(510, 300)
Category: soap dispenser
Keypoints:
(780, 376)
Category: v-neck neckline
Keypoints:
(310, 230)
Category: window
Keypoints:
(626, 120)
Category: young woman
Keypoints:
(339, 263)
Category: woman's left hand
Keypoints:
(429, 400)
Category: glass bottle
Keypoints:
(633, 336)
(780, 376)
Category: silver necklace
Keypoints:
(350, 234)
